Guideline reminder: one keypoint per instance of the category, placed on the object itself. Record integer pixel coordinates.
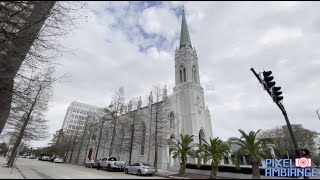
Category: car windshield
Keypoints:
(145, 164)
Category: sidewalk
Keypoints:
(5, 172)
(165, 173)
(169, 173)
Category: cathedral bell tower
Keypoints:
(187, 84)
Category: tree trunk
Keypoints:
(255, 170)
(74, 143)
(149, 150)
(81, 142)
(156, 146)
(13, 56)
(24, 126)
(17, 143)
(5, 101)
(182, 169)
(199, 162)
(112, 139)
(100, 135)
(131, 144)
(68, 147)
(214, 170)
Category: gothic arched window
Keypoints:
(182, 74)
(171, 120)
(143, 138)
(194, 74)
(202, 137)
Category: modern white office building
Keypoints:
(76, 117)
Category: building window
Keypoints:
(226, 160)
(143, 138)
(184, 75)
(194, 74)
(171, 120)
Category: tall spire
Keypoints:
(184, 36)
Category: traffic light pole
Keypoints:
(281, 107)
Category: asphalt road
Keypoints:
(36, 169)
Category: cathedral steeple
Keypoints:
(184, 35)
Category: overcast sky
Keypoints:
(132, 44)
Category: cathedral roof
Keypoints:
(184, 36)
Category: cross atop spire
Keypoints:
(184, 36)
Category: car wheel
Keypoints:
(91, 166)
(139, 172)
(109, 167)
(98, 167)
(126, 171)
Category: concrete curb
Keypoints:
(176, 177)
(24, 177)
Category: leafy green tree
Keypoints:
(256, 148)
(282, 139)
(182, 149)
(215, 150)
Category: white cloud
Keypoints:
(156, 20)
(280, 35)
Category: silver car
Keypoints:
(139, 169)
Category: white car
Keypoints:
(45, 158)
(140, 169)
(110, 163)
(58, 160)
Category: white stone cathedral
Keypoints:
(187, 109)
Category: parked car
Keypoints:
(45, 158)
(31, 157)
(41, 155)
(58, 160)
(92, 163)
(111, 163)
(140, 169)
(52, 159)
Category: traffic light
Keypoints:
(304, 152)
(267, 78)
(276, 93)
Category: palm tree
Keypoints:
(215, 150)
(200, 155)
(182, 149)
(256, 148)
